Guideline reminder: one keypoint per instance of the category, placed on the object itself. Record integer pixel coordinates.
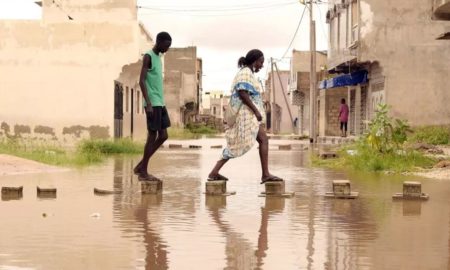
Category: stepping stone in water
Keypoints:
(284, 147)
(217, 188)
(98, 191)
(174, 146)
(12, 193)
(342, 190)
(276, 189)
(151, 187)
(411, 191)
(46, 193)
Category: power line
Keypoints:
(295, 34)
(216, 9)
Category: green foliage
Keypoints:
(87, 152)
(381, 149)
(120, 146)
(432, 135)
(362, 157)
(385, 133)
(181, 133)
(200, 128)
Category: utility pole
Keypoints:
(274, 100)
(312, 77)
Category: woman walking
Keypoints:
(247, 103)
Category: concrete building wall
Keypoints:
(330, 102)
(299, 86)
(396, 43)
(401, 38)
(182, 83)
(61, 75)
(283, 111)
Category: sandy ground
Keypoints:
(14, 165)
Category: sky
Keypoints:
(222, 31)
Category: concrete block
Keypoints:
(284, 147)
(341, 190)
(12, 193)
(216, 187)
(98, 191)
(151, 187)
(341, 187)
(12, 190)
(174, 146)
(195, 146)
(275, 187)
(411, 191)
(46, 193)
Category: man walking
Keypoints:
(151, 83)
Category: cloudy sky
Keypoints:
(222, 30)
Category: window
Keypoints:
(126, 98)
(214, 110)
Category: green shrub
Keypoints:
(432, 135)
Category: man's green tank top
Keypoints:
(154, 80)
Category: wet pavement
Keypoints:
(184, 229)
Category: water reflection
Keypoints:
(179, 230)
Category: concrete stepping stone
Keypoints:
(12, 193)
(151, 187)
(342, 190)
(412, 190)
(284, 147)
(276, 189)
(46, 193)
(100, 192)
(174, 146)
(217, 188)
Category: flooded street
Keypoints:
(184, 229)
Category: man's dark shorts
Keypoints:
(158, 120)
(344, 126)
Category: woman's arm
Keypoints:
(247, 101)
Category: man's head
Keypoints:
(343, 101)
(163, 42)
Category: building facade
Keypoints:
(299, 85)
(283, 111)
(67, 75)
(395, 44)
(182, 85)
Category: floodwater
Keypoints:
(184, 229)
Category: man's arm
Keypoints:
(247, 101)
(146, 65)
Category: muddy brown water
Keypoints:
(184, 229)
